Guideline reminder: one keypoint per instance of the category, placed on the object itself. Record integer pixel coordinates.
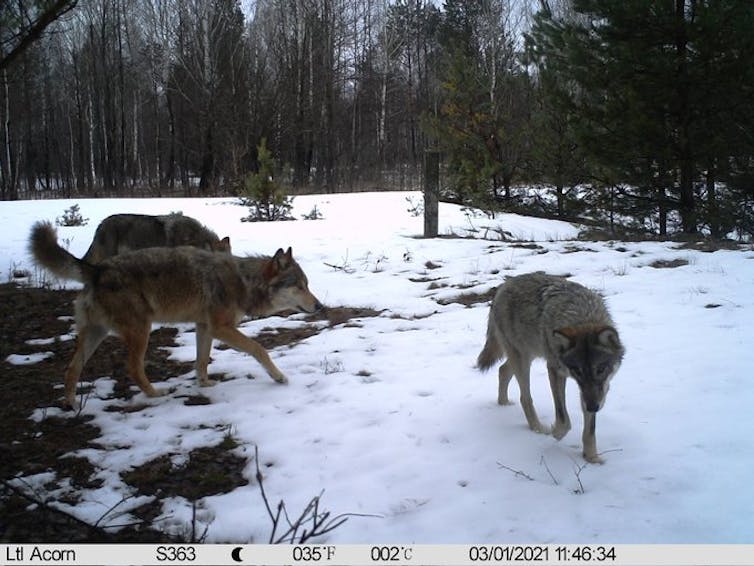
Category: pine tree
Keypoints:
(482, 122)
(264, 196)
(651, 85)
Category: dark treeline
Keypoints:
(635, 111)
(166, 95)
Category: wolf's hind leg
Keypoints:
(203, 348)
(89, 337)
(136, 339)
(504, 375)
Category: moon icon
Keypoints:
(235, 554)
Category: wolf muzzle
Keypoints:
(318, 306)
(593, 406)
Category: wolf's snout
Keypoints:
(592, 406)
(314, 306)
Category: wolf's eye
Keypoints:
(602, 369)
(575, 371)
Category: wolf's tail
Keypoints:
(493, 348)
(43, 245)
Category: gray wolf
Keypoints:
(124, 232)
(538, 315)
(127, 292)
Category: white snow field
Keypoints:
(388, 415)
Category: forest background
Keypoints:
(633, 114)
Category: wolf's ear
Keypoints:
(274, 265)
(564, 339)
(222, 245)
(279, 259)
(283, 259)
(608, 336)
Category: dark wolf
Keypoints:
(125, 232)
(538, 315)
(126, 293)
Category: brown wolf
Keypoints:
(128, 292)
(538, 315)
(124, 232)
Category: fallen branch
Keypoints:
(518, 473)
(543, 462)
(577, 469)
(296, 531)
(94, 528)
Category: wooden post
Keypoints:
(431, 192)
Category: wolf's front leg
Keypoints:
(236, 339)
(589, 438)
(527, 404)
(557, 386)
(136, 338)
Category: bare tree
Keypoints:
(23, 23)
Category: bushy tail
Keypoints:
(43, 245)
(493, 349)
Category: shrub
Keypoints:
(71, 217)
(263, 195)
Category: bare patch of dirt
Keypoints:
(35, 446)
(31, 447)
(669, 263)
(206, 471)
(424, 279)
(572, 249)
(710, 246)
(341, 315)
(528, 246)
(271, 337)
(470, 299)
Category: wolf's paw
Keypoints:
(207, 383)
(504, 401)
(541, 429)
(559, 431)
(156, 392)
(593, 458)
(279, 378)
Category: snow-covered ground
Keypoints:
(388, 416)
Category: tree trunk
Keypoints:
(560, 192)
(687, 207)
(713, 209)
(72, 158)
(90, 127)
(431, 193)
(9, 190)
(206, 180)
(662, 202)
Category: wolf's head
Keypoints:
(592, 355)
(288, 285)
